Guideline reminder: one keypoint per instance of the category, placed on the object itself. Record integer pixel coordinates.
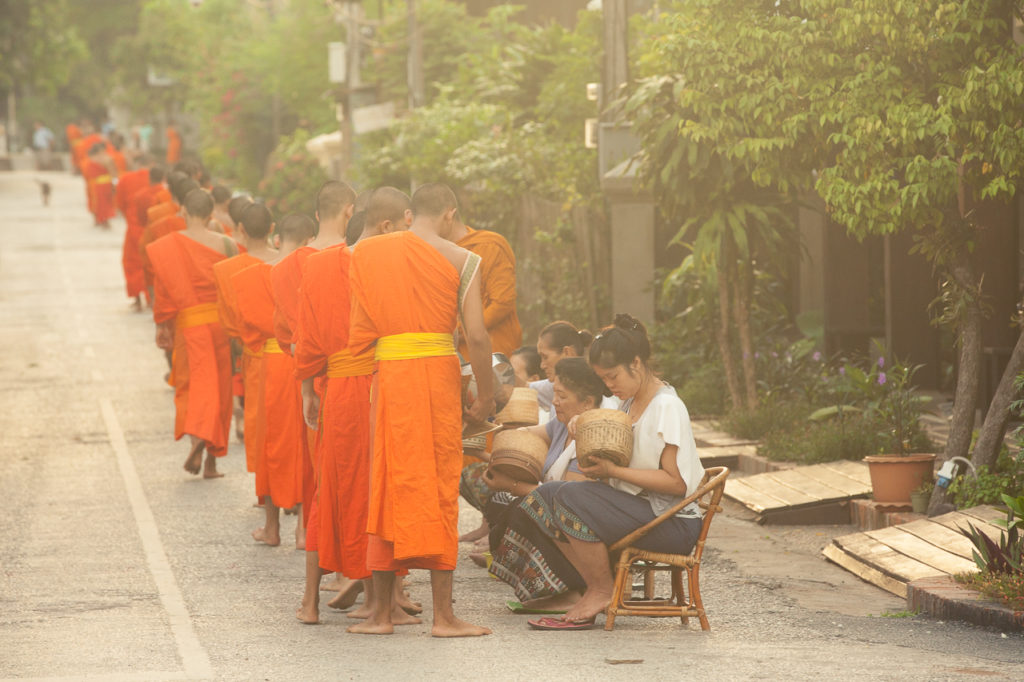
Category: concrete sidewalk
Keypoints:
(116, 565)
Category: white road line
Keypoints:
(193, 656)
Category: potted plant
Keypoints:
(920, 497)
(897, 407)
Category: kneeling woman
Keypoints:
(524, 557)
(583, 518)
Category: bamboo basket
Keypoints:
(521, 409)
(519, 455)
(605, 434)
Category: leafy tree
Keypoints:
(924, 128)
(39, 46)
(728, 142)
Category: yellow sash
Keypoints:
(197, 315)
(343, 364)
(271, 346)
(103, 179)
(414, 345)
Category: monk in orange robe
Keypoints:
(73, 133)
(279, 467)
(129, 185)
(257, 249)
(173, 144)
(409, 290)
(100, 183)
(221, 217)
(498, 283)
(185, 310)
(180, 187)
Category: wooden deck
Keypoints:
(806, 494)
(892, 557)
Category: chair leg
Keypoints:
(622, 576)
(695, 597)
(678, 595)
(648, 584)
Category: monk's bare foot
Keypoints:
(337, 583)
(210, 467)
(300, 536)
(346, 598)
(479, 558)
(362, 613)
(136, 306)
(457, 628)
(261, 535)
(372, 627)
(401, 598)
(474, 535)
(194, 461)
(592, 603)
(308, 614)
(400, 617)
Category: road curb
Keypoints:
(942, 597)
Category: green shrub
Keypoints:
(809, 442)
(989, 486)
(769, 416)
(703, 393)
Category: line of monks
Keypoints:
(340, 339)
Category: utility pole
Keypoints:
(415, 60)
(353, 81)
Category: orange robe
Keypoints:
(279, 468)
(149, 197)
(151, 233)
(186, 294)
(343, 442)
(100, 186)
(173, 145)
(251, 363)
(498, 286)
(128, 187)
(286, 281)
(401, 284)
(120, 163)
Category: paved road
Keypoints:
(116, 565)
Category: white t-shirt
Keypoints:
(665, 421)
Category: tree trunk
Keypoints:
(724, 338)
(741, 311)
(986, 450)
(965, 398)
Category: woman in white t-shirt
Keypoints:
(583, 518)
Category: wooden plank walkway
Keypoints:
(892, 557)
(801, 493)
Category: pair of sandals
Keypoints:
(547, 622)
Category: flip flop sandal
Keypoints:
(559, 624)
(517, 607)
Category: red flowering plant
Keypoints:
(292, 178)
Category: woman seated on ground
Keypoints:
(520, 552)
(584, 517)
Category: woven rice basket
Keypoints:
(474, 445)
(519, 454)
(521, 409)
(607, 434)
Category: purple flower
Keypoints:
(881, 378)
(757, 356)
(817, 356)
(842, 371)
(774, 354)
(881, 363)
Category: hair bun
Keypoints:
(626, 321)
(586, 338)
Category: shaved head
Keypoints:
(433, 200)
(355, 227)
(182, 187)
(257, 221)
(237, 206)
(332, 199)
(387, 203)
(198, 203)
(295, 228)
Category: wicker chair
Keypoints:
(630, 558)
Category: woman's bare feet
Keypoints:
(474, 535)
(267, 538)
(558, 602)
(455, 627)
(210, 467)
(346, 597)
(308, 614)
(592, 603)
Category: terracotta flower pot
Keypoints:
(894, 477)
